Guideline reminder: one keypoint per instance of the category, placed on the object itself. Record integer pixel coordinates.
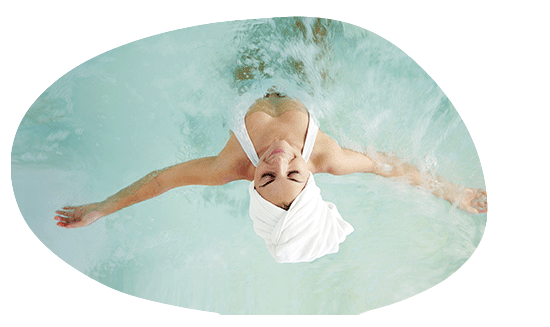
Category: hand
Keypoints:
(80, 216)
(473, 201)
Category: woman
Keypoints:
(278, 147)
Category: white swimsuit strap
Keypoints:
(312, 129)
(246, 143)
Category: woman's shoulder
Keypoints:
(324, 151)
(234, 160)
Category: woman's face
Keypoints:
(281, 174)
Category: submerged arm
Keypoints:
(340, 161)
(217, 170)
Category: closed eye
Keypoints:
(272, 175)
(292, 173)
(268, 175)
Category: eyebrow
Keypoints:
(273, 175)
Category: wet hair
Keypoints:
(273, 94)
(285, 206)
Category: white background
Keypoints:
(489, 57)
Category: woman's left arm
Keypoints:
(336, 160)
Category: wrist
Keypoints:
(104, 208)
(443, 189)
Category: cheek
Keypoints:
(302, 168)
(256, 182)
(257, 178)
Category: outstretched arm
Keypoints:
(218, 170)
(339, 161)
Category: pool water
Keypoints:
(172, 97)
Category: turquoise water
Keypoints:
(171, 98)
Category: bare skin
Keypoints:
(277, 126)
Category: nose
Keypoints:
(280, 163)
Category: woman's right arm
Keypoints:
(339, 161)
(222, 169)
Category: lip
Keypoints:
(277, 151)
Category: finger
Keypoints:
(65, 213)
(75, 224)
(68, 224)
(66, 219)
(69, 208)
(471, 210)
(482, 207)
(483, 192)
(480, 203)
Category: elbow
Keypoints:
(158, 183)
